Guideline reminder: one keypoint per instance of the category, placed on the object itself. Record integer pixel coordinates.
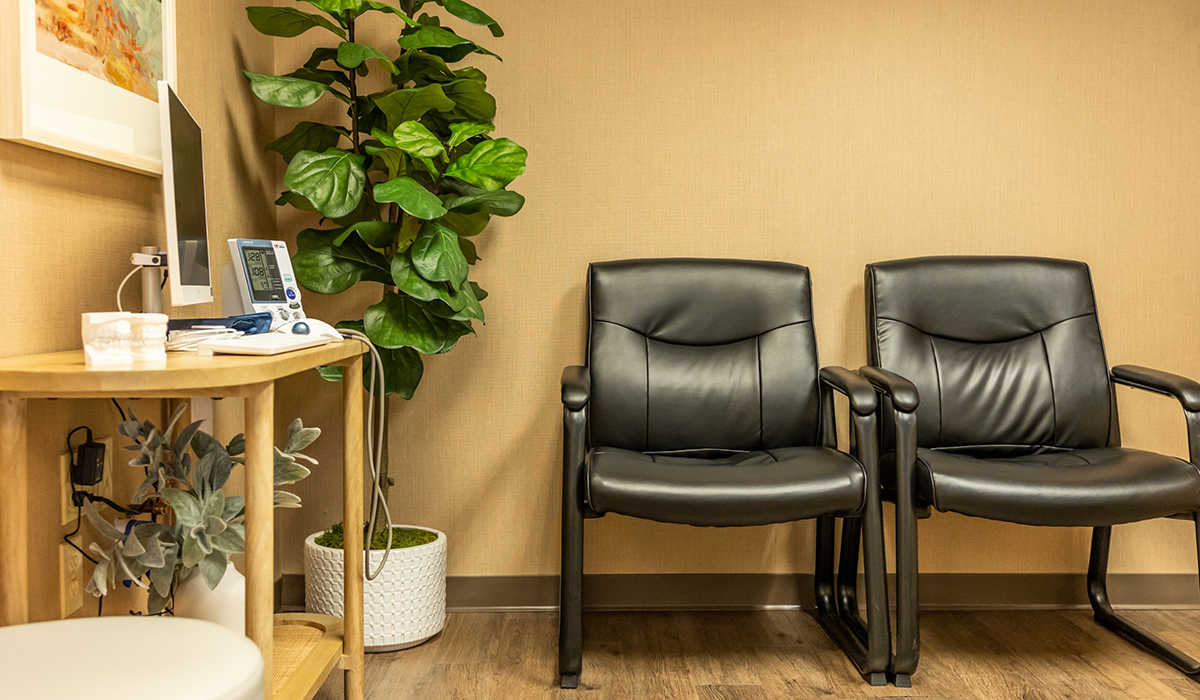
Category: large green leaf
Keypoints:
(471, 100)
(384, 7)
(490, 165)
(410, 282)
(400, 321)
(325, 268)
(498, 202)
(283, 91)
(403, 369)
(296, 200)
(333, 180)
(388, 160)
(287, 21)
(454, 54)
(466, 224)
(319, 56)
(410, 104)
(415, 139)
(462, 305)
(437, 255)
(431, 37)
(352, 55)
(422, 68)
(411, 196)
(321, 75)
(469, 13)
(377, 234)
(336, 7)
(406, 279)
(468, 250)
(472, 73)
(306, 136)
(461, 132)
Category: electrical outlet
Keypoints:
(103, 489)
(70, 585)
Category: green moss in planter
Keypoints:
(334, 538)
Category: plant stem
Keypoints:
(353, 90)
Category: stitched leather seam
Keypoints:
(646, 443)
(758, 355)
(1007, 340)
(1053, 400)
(937, 373)
(689, 345)
(685, 452)
(1052, 448)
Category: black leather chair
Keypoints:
(1016, 418)
(701, 403)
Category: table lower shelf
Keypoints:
(306, 648)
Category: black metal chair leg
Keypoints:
(847, 578)
(827, 604)
(570, 601)
(908, 632)
(1098, 594)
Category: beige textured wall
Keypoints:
(826, 133)
(68, 227)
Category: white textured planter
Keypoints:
(404, 606)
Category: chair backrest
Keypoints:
(1005, 351)
(701, 354)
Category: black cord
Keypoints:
(71, 434)
(119, 508)
(120, 410)
(78, 524)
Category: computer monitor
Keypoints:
(183, 202)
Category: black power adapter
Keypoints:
(87, 469)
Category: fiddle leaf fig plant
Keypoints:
(188, 473)
(403, 183)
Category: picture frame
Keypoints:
(79, 77)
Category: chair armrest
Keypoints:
(902, 392)
(1182, 388)
(861, 395)
(576, 387)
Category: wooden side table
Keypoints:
(309, 646)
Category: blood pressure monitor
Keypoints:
(265, 281)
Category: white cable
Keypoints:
(122, 285)
(374, 450)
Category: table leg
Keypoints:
(260, 542)
(14, 514)
(352, 515)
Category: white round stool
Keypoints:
(115, 658)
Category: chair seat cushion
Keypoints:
(720, 488)
(1092, 487)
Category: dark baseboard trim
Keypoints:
(791, 591)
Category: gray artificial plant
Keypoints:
(188, 473)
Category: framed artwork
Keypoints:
(80, 77)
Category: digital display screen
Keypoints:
(262, 272)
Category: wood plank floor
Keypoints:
(977, 655)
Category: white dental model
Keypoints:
(107, 338)
(149, 337)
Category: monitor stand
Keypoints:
(151, 284)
